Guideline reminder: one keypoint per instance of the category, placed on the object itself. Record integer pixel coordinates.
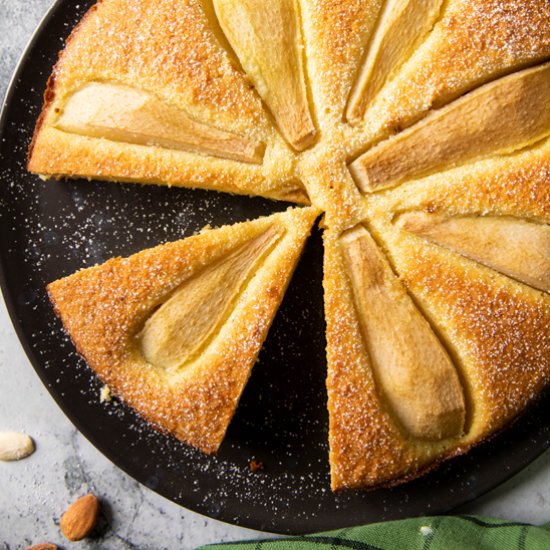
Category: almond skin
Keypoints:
(78, 521)
(44, 546)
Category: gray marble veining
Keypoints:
(34, 492)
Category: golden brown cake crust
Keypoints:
(169, 49)
(367, 449)
(459, 298)
(474, 41)
(103, 309)
(513, 185)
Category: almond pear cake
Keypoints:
(418, 131)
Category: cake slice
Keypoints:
(145, 91)
(493, 328)
(175, 330)
(472, 43)
(390, 416)
(498, 118)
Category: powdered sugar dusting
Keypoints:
(55, 228)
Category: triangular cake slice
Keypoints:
(495, 326)
(473, 42)
(175, 330)
(146, 92)
(492, 328)
(395, 398)
(503, 116)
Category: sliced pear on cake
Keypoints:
(495, 327)
(501, 117)
(517, 248)
(472, 43)
(122, 113)
(402, 27)
(175, 330)
(266, 36)
(416, 375)
(179, 329)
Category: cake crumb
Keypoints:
(105, 394)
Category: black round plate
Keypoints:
(51, 229)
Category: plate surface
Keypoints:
(51, 229)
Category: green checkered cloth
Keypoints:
(429, 533)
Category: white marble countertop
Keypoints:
(34, 492)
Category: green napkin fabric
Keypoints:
(428, 533)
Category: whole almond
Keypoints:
(43, 546)
(15, 446)
(77, 522)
